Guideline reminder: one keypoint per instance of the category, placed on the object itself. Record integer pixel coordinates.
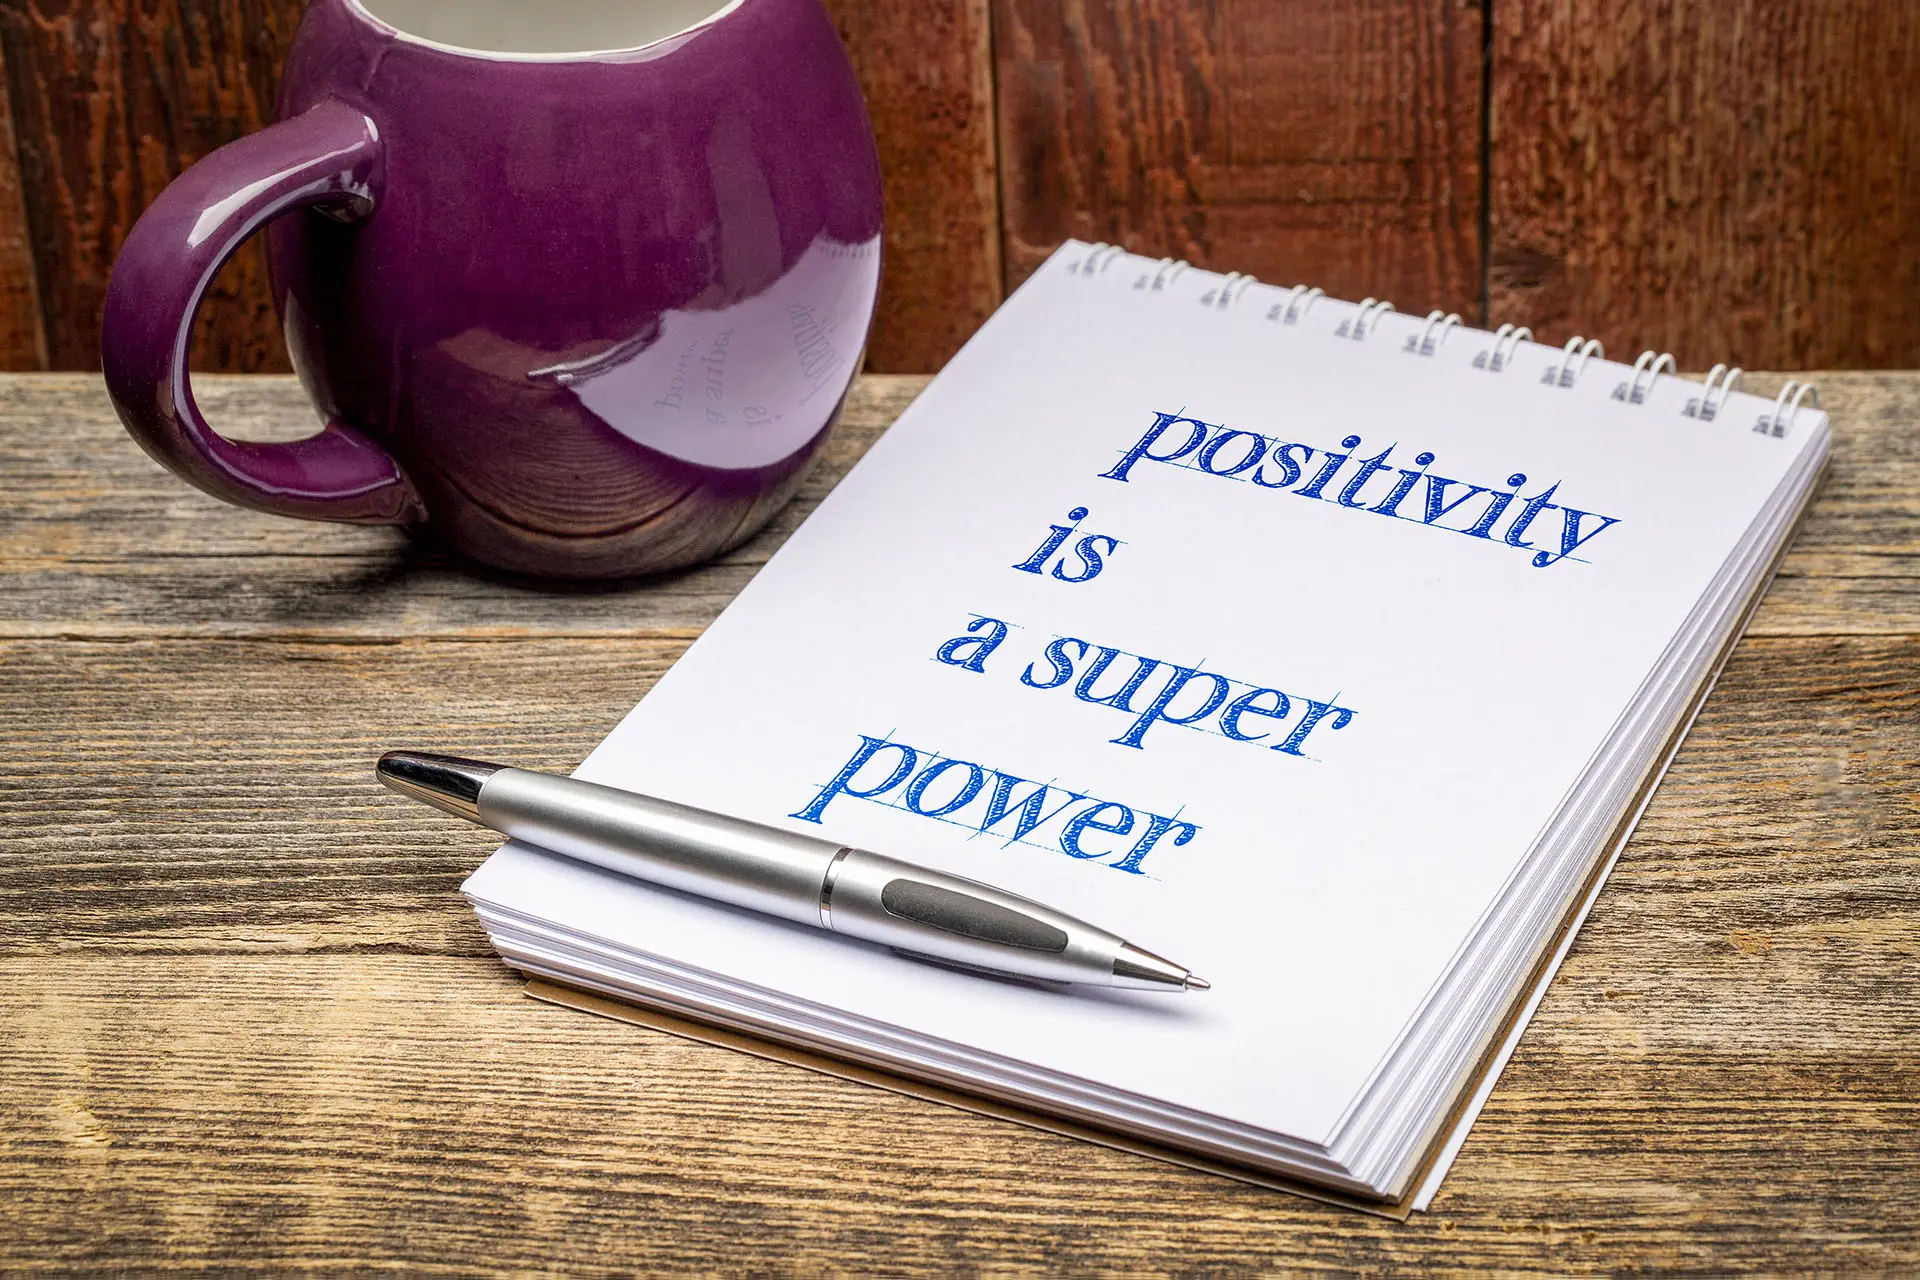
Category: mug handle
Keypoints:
(329, 156)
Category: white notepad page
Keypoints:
(1444, 690)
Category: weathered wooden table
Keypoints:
(249, 1021)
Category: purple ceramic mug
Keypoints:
(584, 313)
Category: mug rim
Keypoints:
(672, 39)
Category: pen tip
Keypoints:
(1197, 983)
(449, 783)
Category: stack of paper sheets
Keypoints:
(1329, 652)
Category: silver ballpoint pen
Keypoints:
(815, 882)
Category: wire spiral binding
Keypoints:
(1371, 309)
(1649, 366)
(1564, 374)
(1166, 271)
(1235, 284)
(1786, 409)
(1715, 393)
(1098, 259)
(1299, 302)
(1428, 341)
(1704, 406)
(1505, 343)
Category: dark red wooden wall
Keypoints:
(1723, 178)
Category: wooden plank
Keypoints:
(111, 99)
(97, 540)
(354, 1112)
(1732, 180)
(80, 505)
(218, 795)
(1337, 145)
(23, 337)
(168, 835)
(927, 71)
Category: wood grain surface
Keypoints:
(23, 334)
(1729, 179)
(1333, 144)
(927, 73)
(1856, 566)
(111, 99)
(251, 1024)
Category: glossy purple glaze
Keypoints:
(586, 316)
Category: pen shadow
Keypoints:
(1145, 1004)
(1151, 1004)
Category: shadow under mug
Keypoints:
(586, 314)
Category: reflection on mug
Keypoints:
(705, 388)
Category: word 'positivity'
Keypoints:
(1374, 485)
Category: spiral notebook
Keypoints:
(1328, 650)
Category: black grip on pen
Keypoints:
(968, 916)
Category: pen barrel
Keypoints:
(711, 856)
(815, 882)
(959, 921)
